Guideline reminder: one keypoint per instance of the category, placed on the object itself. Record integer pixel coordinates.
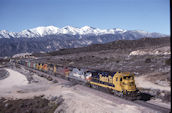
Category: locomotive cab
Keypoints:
(128, 86)
(128, 83)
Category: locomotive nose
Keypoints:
(128, 86)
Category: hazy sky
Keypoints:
(148, 15)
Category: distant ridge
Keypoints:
(86, 30)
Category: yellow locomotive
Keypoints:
(120, 83)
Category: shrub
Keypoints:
(167, 97)
(168, 61)
(148, 60)
(49, 78)
(117, 61)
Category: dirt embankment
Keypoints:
(34, 105)
(3, 74)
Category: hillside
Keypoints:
(128, 45)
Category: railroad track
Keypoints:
(139, 102)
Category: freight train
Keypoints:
(119, 83)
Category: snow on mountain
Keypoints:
(6, 34)
(38, 32)
(21, 55)
(68, 30)
(86, 30)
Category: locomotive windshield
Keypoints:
(128, 77)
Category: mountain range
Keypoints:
(50, 38)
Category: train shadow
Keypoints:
(145, 97)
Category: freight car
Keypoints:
(119, 83)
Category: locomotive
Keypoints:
(121, 84)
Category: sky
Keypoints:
(147, 15)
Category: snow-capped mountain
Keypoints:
(86, 30)
(44, 39)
